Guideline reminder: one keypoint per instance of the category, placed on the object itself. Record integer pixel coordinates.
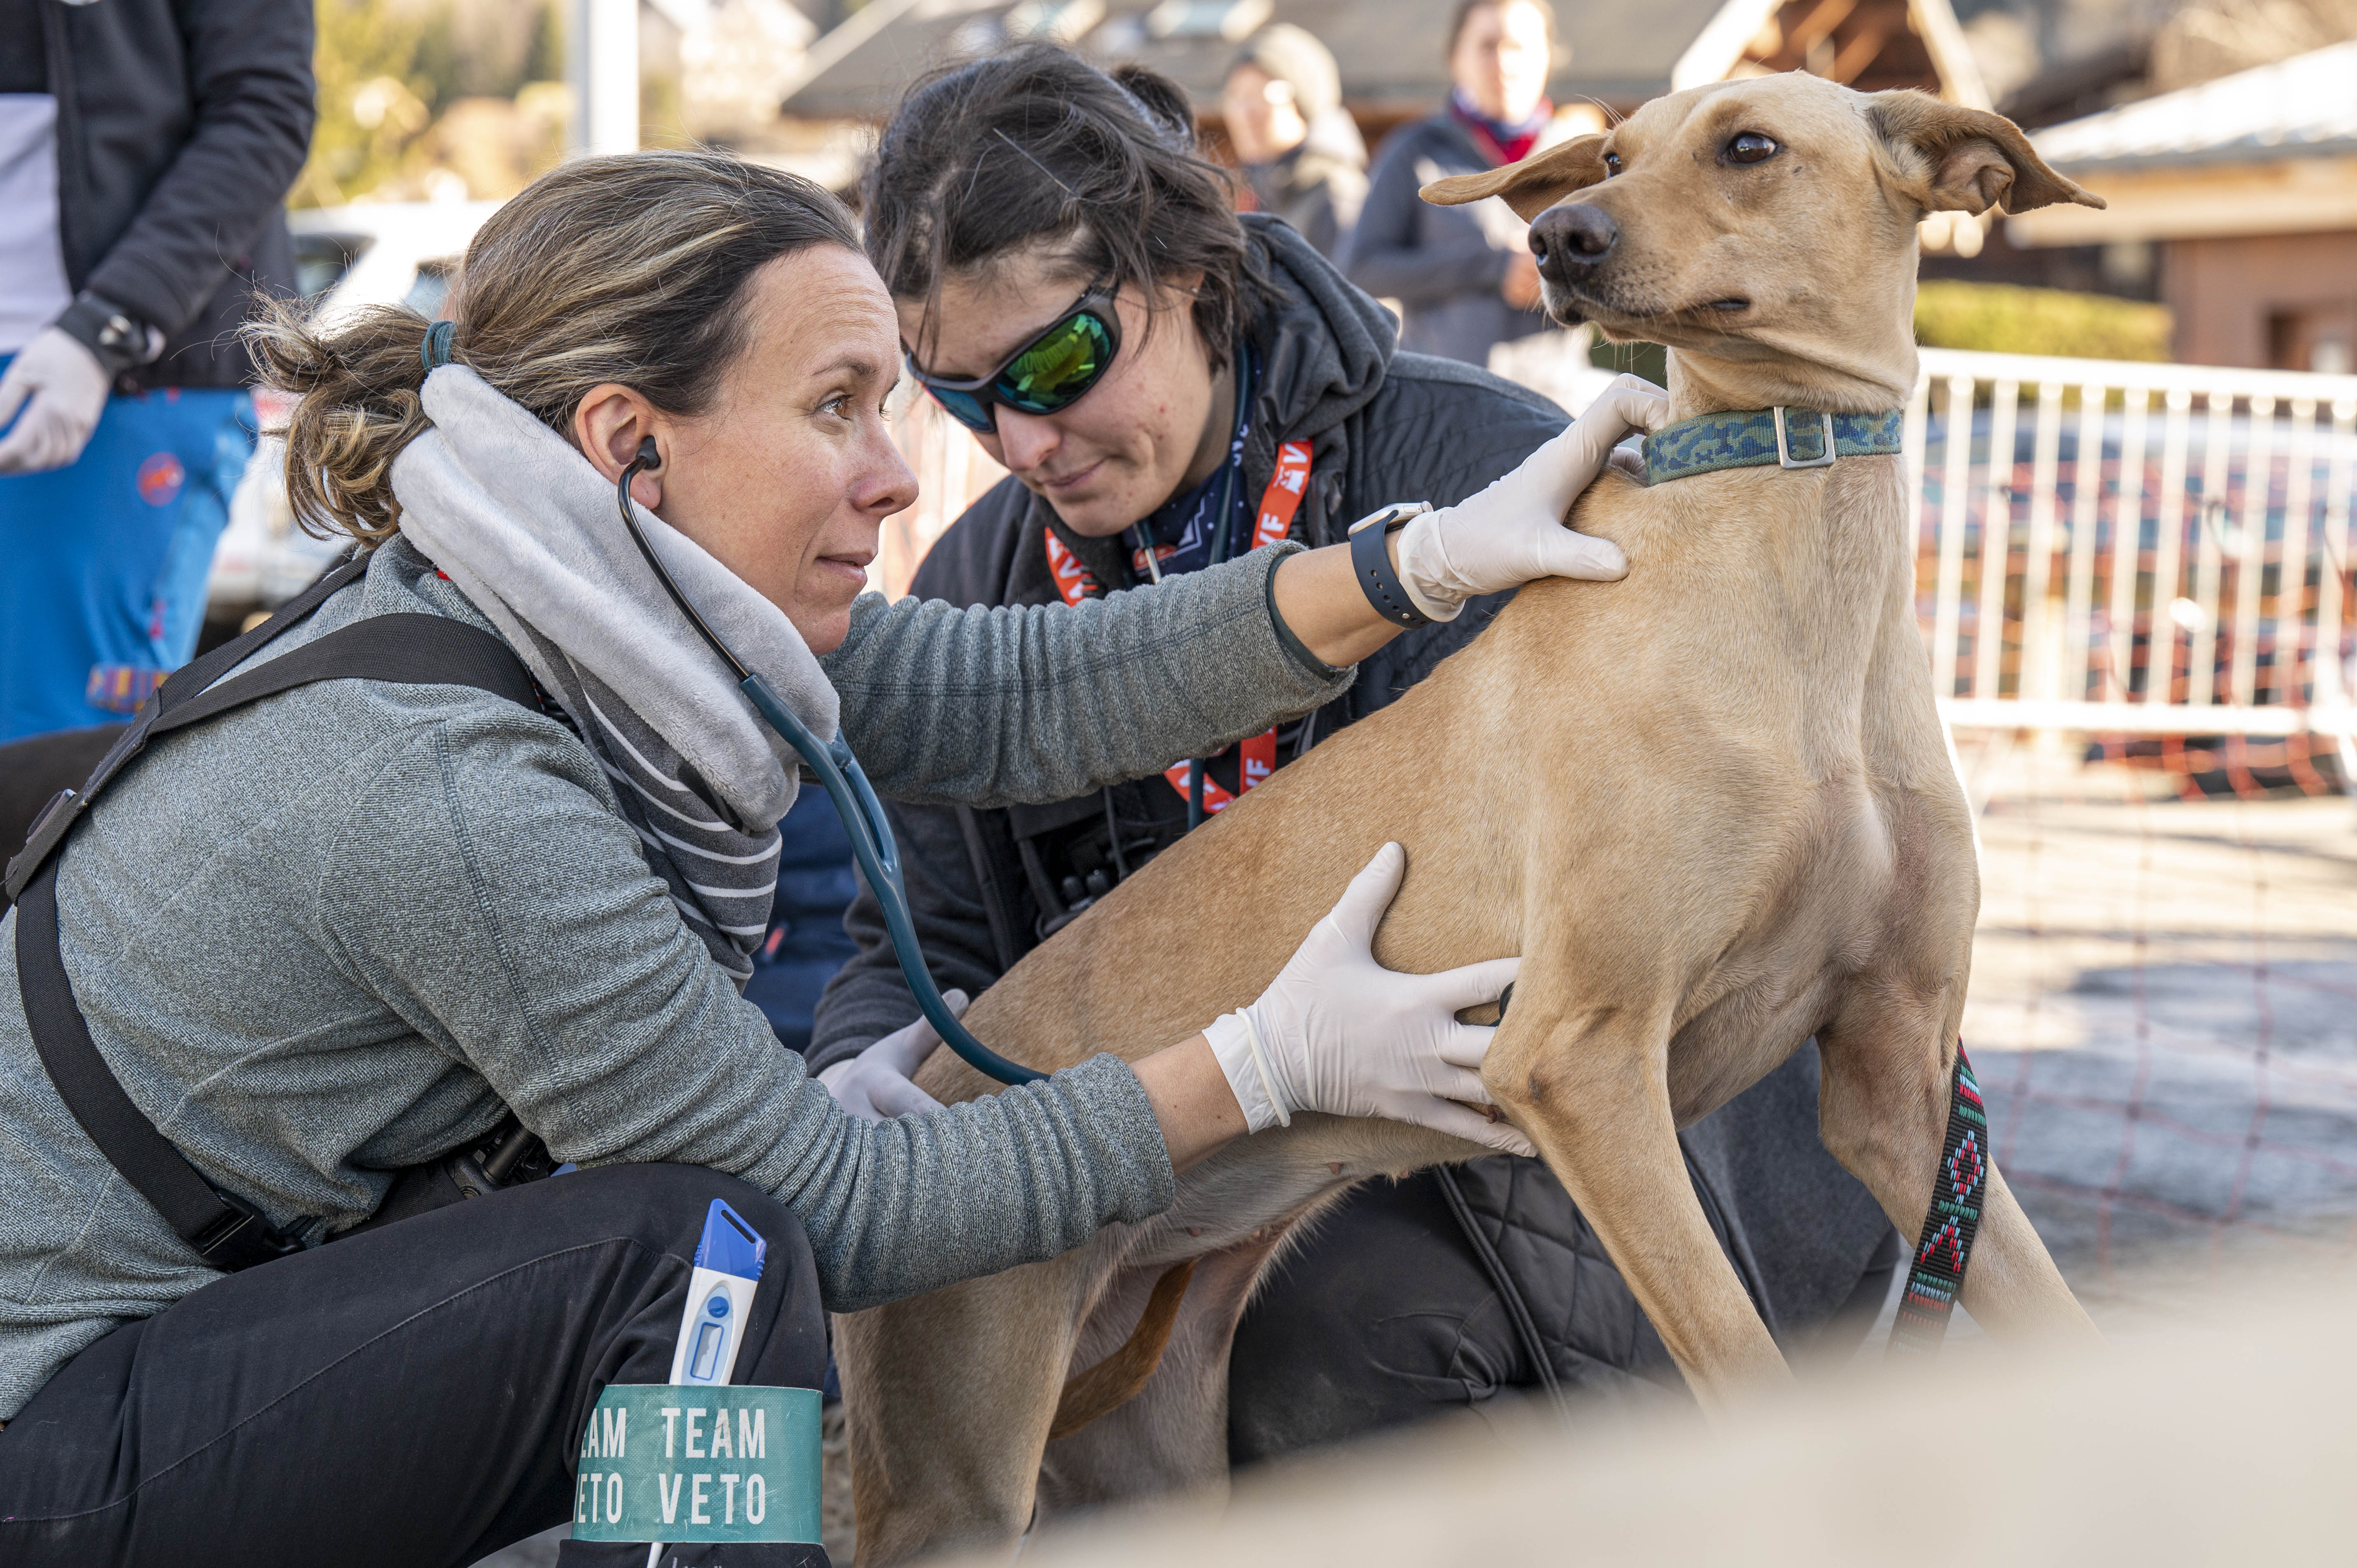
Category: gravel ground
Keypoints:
(2164, 1019)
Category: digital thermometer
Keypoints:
(719, 1299)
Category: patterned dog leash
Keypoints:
(1954, 1218)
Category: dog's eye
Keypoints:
(1750, 147)
(1611, 164)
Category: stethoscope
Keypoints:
(855, 801)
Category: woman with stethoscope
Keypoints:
(395, 906)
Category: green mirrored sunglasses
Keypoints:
(1046, 374)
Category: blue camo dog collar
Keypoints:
(1769, 437)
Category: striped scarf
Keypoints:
(517, 519)
(721, 877)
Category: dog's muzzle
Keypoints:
(1569, 242)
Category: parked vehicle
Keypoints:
(367, 253)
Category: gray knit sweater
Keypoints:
(343, 931)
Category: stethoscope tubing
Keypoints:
(865, 824)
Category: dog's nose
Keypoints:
(1566, 240)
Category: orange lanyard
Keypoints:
(1278, 504)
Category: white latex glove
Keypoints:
(67, 389)
(1338, 1032)
(874, 1085)
(1513, 532)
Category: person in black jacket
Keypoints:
(1411, 1298)
(1463, 275)
(146, 149)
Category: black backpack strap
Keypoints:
(400, 649)
(225, 1233)
(405, 649)
(203, 672)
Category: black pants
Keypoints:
(410, 1396)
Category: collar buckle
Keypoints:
(1784, 459)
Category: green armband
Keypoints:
(690, 1465)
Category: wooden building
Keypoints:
(1616, 54)
(2246, 189)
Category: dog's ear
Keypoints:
(1531, 187)
(1955, 159)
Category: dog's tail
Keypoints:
(1115, 1380)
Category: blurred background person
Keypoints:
(1463, 275)
(1302, 154)
(146, 149)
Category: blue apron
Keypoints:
(103, 561)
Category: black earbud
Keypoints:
(649, 460)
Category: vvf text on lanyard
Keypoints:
(1274, 521)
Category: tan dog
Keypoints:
(1712, 806)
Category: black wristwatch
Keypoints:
(1370, 558)
(117, 339)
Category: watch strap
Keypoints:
(1371, 561)
(117, 339)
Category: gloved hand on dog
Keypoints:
(874, 1084)
(1514, 531)
(1338, 1032)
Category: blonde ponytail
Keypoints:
(358, 383)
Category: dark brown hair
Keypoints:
(1034, 146)
(626, 269)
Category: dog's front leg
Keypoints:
(1883, 1109)
(1587, 1080)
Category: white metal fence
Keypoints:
(2134, 548)
(2113, 547)
(952, 472)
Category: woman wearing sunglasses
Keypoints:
(1170, 387)
(372, 934)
